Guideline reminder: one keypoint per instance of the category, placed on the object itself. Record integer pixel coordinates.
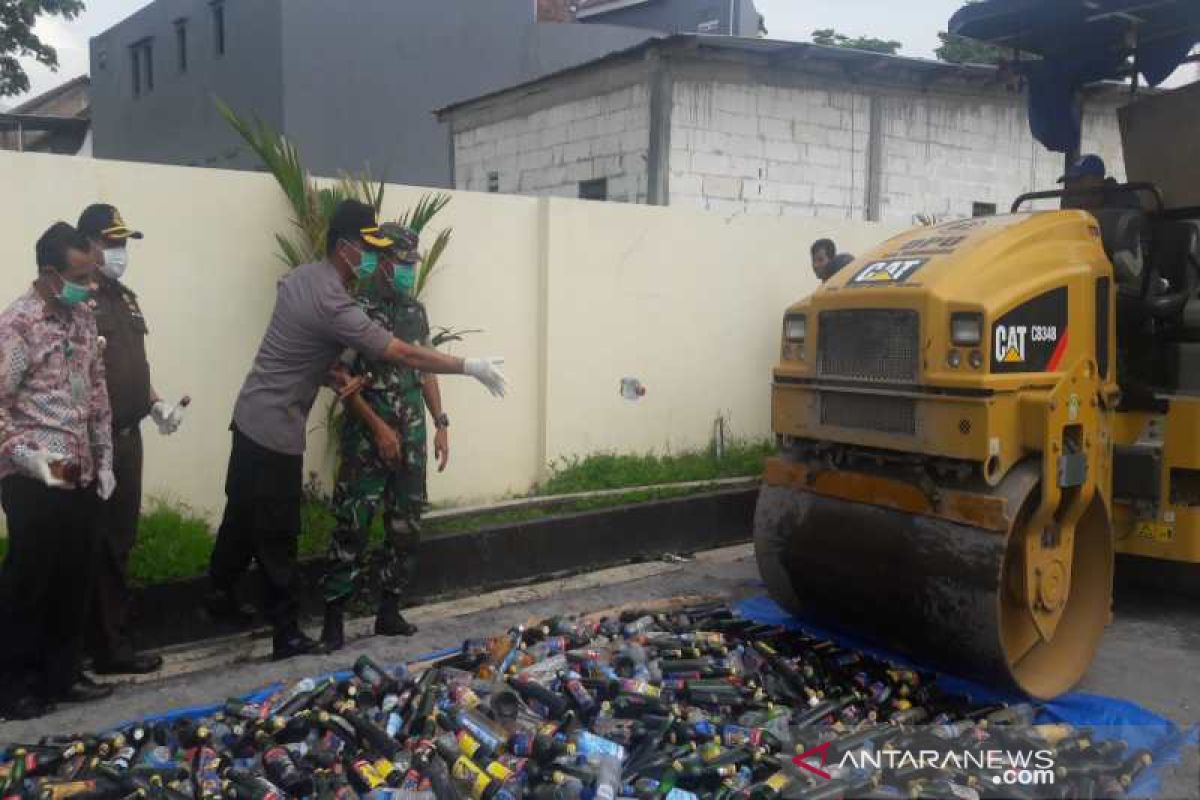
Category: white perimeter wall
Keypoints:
(575, 295)
(549, 152)
(738, 148)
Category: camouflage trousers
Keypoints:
(366, 484)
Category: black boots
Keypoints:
(390, 622)
(128, 664)
(290, 641)
(333, 632)
(224, 607)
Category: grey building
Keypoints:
(351, 82)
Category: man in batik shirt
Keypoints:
(55, 468)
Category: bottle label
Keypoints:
(737, 736)
(639, 687)
(60, 791)
(590, 744)
(468, 744)
(779, 781)
(499, 771)
(481, 734)
(467, 772)
(368, 774)
(681, 794)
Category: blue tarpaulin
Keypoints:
(258, 695)
(1108, 717)
(1079, 42)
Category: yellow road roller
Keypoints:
(973, 417)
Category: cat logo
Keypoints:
(1010, 343)
(880, 272)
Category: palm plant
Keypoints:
(313, 204)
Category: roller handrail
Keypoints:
(1140, 186)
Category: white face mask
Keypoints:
(116, 259)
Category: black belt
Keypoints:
(127, 430)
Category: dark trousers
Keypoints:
(263, 491)
(107, 639)
(45, 585)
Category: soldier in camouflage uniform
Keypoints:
(383, 449)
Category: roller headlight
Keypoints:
(966, 329)
(795, 329)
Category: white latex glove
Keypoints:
(487, 371)
(106, 482)
(167, 417)
(36, 464)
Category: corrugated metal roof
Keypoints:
(41, 122)
(778, 51)
(50, 94)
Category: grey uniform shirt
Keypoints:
(315, 318)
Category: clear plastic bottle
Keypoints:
(608, 775)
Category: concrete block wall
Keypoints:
(753, 149)
(549, 152)
(941, 155)
(1102, 136)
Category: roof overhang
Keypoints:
(842, 62)
(597, 9)
(40, 122)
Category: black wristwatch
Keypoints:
(442, 420)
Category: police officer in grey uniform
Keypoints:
(123, 330)
(315, 319)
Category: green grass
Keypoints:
(173, 543)
(612, 471)
(316, 528)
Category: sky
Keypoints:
(917, 28)
(915, 23)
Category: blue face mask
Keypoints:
(404, 277)
(72, 294)
(368, 262)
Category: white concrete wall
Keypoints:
(750, 149)
(575, 295)
(744, 149)
(549, 152)
(689, 303)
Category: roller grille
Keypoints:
(877, 344)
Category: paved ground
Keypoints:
(1151, 654)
